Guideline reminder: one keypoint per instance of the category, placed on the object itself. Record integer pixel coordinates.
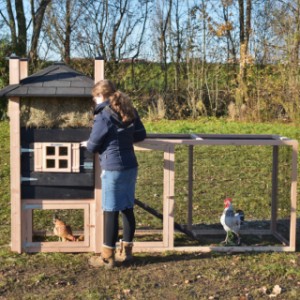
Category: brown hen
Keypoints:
(63, 231)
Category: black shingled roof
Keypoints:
(57, 80)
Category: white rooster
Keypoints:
(231, 221)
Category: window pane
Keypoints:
(63, 163)
(50, 150)
(63, 151)
(50, 163)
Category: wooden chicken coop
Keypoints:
(51, 113)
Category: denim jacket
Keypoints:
(113, 139)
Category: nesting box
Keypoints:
(52, 177)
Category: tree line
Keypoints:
(176, 59)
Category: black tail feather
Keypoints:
(241, 214)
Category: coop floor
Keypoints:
(181, 240)
(253, 233)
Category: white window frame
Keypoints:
(72, 157)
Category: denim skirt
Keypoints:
(118, 189)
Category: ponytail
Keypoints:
(122, 105)
(119, 101)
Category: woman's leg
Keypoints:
(126, 244)
(111, 228)
(128, 224)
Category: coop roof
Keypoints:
(57, 80)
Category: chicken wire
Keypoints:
(149, 190)
(243, 173)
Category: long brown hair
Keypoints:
(119, 101)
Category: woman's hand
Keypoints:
(84, 144)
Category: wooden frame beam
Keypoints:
(97, 214)
(274, 188)
(15, 175)
(23, 68)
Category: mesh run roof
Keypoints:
(57, 80)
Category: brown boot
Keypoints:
(107, 258)
(125, 253)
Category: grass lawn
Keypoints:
(242, 173)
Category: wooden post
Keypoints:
(14, 70)
(15, 174)
(15, 158)
(98, 69)
(293, 197)
(190, 187)
(99, 224)
(274, 188)
(168, 205)
(23, 68)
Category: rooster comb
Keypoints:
(228, 199)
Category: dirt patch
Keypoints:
(151, 276)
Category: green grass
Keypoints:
(240, 172)
(4, 184)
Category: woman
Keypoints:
(116, 127)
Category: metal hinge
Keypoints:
(196, 137)
(26, 150)
(28, 179)
(88, 165)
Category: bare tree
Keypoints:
(144, 20)
(110, 28)
(286, 26)
(231, 47)
(37, 17)
(161, 25)
(136, 53)
(198, 89)
(17, 25)
(245, 30)
(15, 19)
(61, 24)
(263, 38)
(295, 8)
(177, 37)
